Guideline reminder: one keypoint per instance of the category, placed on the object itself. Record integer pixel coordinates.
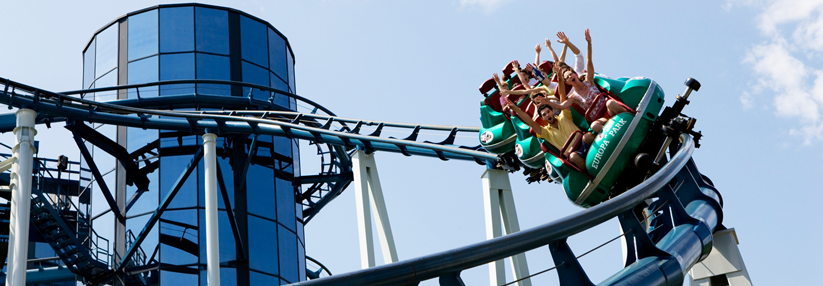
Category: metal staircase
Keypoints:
(67, 228)
(81, 257)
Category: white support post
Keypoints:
(212, 239)
(499, 204)
(23, 154)
(367, 189)
(723, 263)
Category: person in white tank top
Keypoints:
(583, 92)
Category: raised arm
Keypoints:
(554, 56)
(559, 106)
(523, 116)
(523, 79)
(589, 64)
(563, 53)
(500, 84)
(561, 83)
(537, 55)
(561, 38)
(521, 91)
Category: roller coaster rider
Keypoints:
(558, 129)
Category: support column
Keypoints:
(23, 154)
(499, 204)
(724, 266)
(212, 240)
(367, 188)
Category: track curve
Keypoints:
(664, 252)
(450, 262)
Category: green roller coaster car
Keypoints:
(614, 146)
(496, 131)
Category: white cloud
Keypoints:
(747, 100)
(487, 6)
(793, 31)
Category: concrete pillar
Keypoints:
(367, 189)
(498, 204)
(724, 266)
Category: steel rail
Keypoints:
(230, 124)
(342, 119)
(410, 272)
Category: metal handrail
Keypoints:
(456, 260)
(93, 238)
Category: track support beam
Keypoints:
(212, 239)
(23, 154)
(367, 189)
(498, 203)
(724, 264)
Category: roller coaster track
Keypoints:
(274, 120)
(679, 208)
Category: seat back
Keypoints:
(508, 69)
(572, 144)
(494, 101)
(597, 108)
(487, 86)
(546, 66)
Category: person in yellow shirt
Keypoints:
(556, 132)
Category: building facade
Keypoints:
(203, 42)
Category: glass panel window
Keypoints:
(256, 75)
(263, 250)
(290, 66)
(176, 278)
(88, 65)
(282, 145)
(143, 36)
(260, 191)
(177, 30)
(285, 203)
(277, 54)
(288, 254)
(108, 80)
(226, 237)
(143, 71)
(228, 177)
(212, 30)
(107, 50)
(151, 241)
(280, 99)
(228, 276)
(213, 67)
(172, 167)
(177, 67)
(256, 278)
(253, 46)
(136, 139)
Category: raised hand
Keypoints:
(561, 38)
(537, 48)
(509, 103)
(588, 37)
(548, 43)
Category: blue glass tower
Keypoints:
(196, 41)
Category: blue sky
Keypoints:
(760, 106)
